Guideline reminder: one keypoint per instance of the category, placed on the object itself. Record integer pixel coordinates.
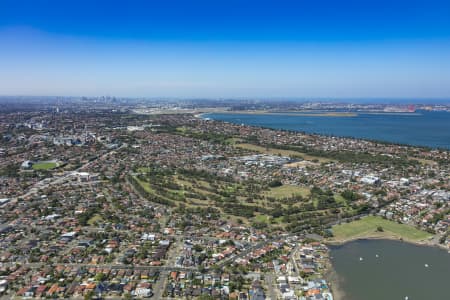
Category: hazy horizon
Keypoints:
(331, 100)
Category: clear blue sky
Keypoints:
(226, 48)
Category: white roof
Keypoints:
(69, 234)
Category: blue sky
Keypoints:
(226, 48)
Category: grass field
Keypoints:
(45, 165)
(143, 170)
(339, 199)
(94, 219)
(262, 218)
(424, 161)
(367, 227)
(285, 191)
(145, 185)
(273, 151)
(234, 141)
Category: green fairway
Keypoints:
(95, 219)
(367, 227)
(145, 185)
(45, 165)
(285, 191)
(339, 199)
(262, 218)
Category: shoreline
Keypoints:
(201, 115)
(423, 243)
(332, 278)
(308, 113)
(288, 113)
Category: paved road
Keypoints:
(158, 288)
(271, 286)
(294, 261)
(168, 267)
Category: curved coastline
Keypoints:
(293, 113)
(318, 113)
(423, 243)
(312, 132)
(332, 278)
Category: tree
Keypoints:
(275, 183)
(99, 277)
(349, 195)
(198, 248)
(89, 295)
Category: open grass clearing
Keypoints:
(367, 227)
(286, 191)
(425, 161)
(187, 182)
(181, 129)
(262, 219)
(339, 199)
(182, 182)
(145, 185)
(95, 219)
(143, 170)
(234, 140)
(45, 165)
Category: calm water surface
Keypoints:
(397, 272)
(431, 129)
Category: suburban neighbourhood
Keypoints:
(121, 203)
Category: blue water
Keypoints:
(391, 270)
(430, 129)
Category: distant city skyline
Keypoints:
(213, 49)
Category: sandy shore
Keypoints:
(333, 279)
(376, 236)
